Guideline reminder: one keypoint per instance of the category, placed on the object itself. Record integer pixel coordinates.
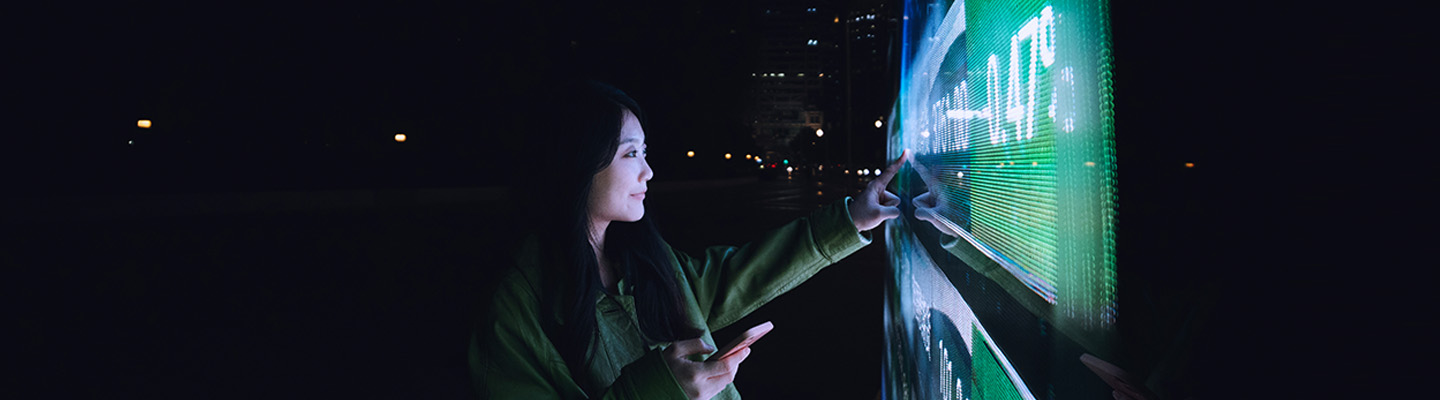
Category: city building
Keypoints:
(798, 55)
(872, 63)
(822, 65)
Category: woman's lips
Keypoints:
(640, 196)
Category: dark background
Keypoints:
(279, 96)
(1274, 104)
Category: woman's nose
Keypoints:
(646, 173)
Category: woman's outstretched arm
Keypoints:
(730, 282)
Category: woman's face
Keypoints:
(618, 192)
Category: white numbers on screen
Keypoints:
(1008, 106)
(1036, 36)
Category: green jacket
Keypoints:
(512, 358)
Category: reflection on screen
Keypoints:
(939, 350)
(1006, 105)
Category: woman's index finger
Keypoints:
(890, 171)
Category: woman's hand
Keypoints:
(701, 380)
(875, 204)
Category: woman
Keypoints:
(596, 304)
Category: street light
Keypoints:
(690, 154)
(400, 138)
(727, 156)
(144, 123)
(819, 133)
(878, 123)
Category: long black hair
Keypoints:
(580, 139)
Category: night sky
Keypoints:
(271, 95)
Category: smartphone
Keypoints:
(745, 340)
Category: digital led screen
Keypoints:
(1005, 260)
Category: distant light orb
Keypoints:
(747, 157)
(847, 172)
(1189, 165)
(144, 123)
(132, 142)
(878, 123)
(819, 133)
(789, 169)
(400, 138)
(757, 160)
(959, 174)
(690, 153)
(864, 172)
(727, 156)
(1089, 163)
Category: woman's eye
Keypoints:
(630, 154)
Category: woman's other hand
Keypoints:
(875, 204)
(701, 380)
